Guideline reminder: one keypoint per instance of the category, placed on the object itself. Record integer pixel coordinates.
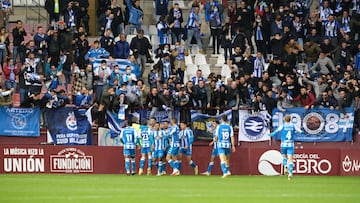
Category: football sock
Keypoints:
(127, 165)
(192, 163)
(291, 167)
(285, 162)
(142, 162)
(150, 162)
(211, 165)
(133, 165)
(223, 167)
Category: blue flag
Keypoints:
(69, 127)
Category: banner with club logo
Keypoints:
(202, 124)
(253, 127)
(67, 126)
(23, 122)
(318, 124)
(158, 115)
(122, 63)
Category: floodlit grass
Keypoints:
(148, 189)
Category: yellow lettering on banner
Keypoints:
(199, 125)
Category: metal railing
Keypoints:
(36, 7)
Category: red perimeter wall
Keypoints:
(109, 160)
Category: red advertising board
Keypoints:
(110, 160)
(60, 159)
(306, 162)
(350, 162)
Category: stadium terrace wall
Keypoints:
(109, 160)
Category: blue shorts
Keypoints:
(188, 152)
(145, 150)
(287, 151)
(225, 151)
(173, 151)
(215, 152)
(129, 152)
(158, 154)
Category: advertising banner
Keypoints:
(254, 127)
(61, 159)
(202, 124)
(68, 127)
(350, 162)
(318, 124)
(306, 162)
(23, 122)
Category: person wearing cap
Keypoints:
(96, 52)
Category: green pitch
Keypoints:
(148, 189)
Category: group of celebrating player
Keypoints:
(164, 142)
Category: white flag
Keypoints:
(253, 127)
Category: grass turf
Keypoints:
(120, 188)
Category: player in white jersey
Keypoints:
(186, 139)
(287, 148)
(145, 141)
(128, 137)
(214, 152)
(224, 136)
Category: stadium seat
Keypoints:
(220, 61)
(129, 38)
(205, 68)
(194, 49)
(181, 3)
(200, 59)
(225, 70)
(186, 77)
(188, 60)
(155, 40)
(145, 28)
(191, 69)
(152, 30)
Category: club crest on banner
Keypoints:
(71, 121)
(253, 126)
(18, 121)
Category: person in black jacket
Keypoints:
(83, 16)
(140, 46)
(175, 19)
(54, 10)
(18, 41)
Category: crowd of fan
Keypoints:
(280, 54)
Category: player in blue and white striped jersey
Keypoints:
(171, 156)
(158, 147)
(145, 141)
(287, 147)
(186, 139)
(166, 130)
(214, 152)
(128, 137)
(224, 136)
